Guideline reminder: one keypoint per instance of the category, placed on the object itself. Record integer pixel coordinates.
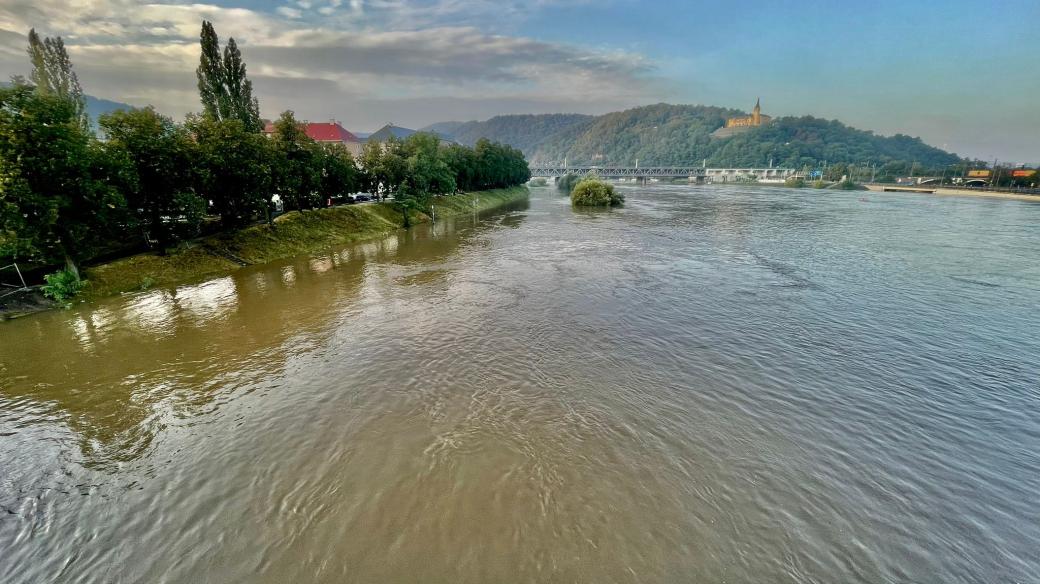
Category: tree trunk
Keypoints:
(70, 265)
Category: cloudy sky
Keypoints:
(959, 73)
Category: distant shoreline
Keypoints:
(952, 192)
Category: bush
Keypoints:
(795, 183)
(593, 192)
(819, 184)
(567, 182)
(62, 285)
(538, 182)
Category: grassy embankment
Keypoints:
(292, 234)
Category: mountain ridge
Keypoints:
(665, 134)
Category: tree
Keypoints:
(225, 90)
(211, 75)
(242, 105)
(233, 168)
(427, 173)
(52, 73)
(297, 164)
(160, 154)
(593, 192)
(58, 201)
(340, 175)
(385, 166)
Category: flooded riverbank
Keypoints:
(736, 384)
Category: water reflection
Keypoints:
(122, 370)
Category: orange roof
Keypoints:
(322, 132)
(330, 132)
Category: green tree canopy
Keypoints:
(160, 154)
(52, 72)
(58, 196)
(225, 90)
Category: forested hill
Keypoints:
(525, 132)
(666, 134)
(95, 105)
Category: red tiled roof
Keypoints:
(330, 132)
(322, 132)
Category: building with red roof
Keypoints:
(330, 132)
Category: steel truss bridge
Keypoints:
(697, 173)
(618, 171)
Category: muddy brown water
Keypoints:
(713, 384)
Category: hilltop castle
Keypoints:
(742, 124)
(755, 119)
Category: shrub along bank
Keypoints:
(290, 234)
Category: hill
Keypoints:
(664, 134)
(95, 105)
(525, 132)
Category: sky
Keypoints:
(963, 75)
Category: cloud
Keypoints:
(290, 12)
(147, 54)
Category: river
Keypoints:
(712, 384)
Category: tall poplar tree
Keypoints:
(52, 73)
(211, 75)
(243, 106)
(226, 92)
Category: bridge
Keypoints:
(700, 174)
(618, 171)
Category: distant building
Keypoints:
(755, 119)
(330, 132)
(743, 123)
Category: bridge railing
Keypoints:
(617, 171)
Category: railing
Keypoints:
(17, 288)
(617, 171)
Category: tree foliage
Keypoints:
(66, 195)
(567, 182)
(298, 164)
(58, 195)
(225, 90)
(158, 185)
(593, 192)
(52, 72)
(233, 167)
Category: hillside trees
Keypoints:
(663, 135)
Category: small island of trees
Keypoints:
(593, 192)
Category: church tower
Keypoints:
(756, 114)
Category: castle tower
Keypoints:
(756, 114)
